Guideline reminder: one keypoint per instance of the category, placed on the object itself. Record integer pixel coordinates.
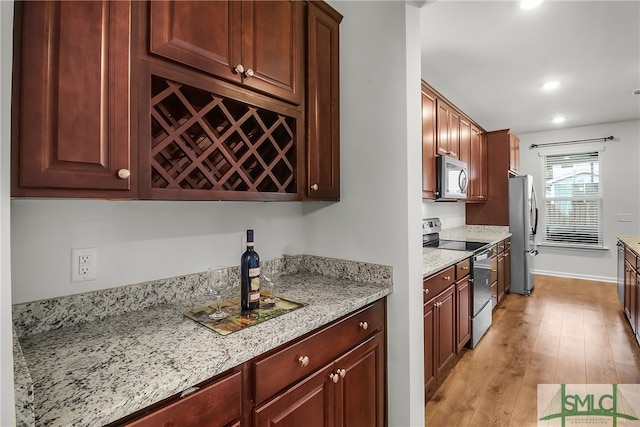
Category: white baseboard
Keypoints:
(577, 276)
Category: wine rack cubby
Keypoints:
(204, 141)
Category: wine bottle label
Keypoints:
(254, 296)
(254, 272)
(255, 283)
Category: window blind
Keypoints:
(572, 200)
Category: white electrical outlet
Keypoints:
(624, 217)
(84, 264)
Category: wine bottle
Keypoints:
(250, 276)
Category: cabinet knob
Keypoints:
(465, 268)
(248, 73)
(124, 173)
(304, 361)
(364, 325)
(239, 69)
(342, 372)
(314, 187)
(426, 291)
(446, 277)
(335, 378)
(493, 270)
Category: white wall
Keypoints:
(7, 416)
(139, 241)
(620, 180)
(378, 218)
(451, 214)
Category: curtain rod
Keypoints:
(577, 141)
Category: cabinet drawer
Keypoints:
(435, 284)
(631, 258)
(463, 269)
(295, 361)
(219, 401)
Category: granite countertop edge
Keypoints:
(633, 242)
(98, 372)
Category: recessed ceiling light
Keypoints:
(530, 4)
(550, 85)
(558, 120)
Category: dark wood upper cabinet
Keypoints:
(429, 185)
(465, 140)
(71, 104)
(500, 154)
(448, 142)
(176, 100)
(323, 106)
(477, 165)
(258, 44)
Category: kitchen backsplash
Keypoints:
(44, 315)
(451, 214)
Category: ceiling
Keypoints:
(490, 59)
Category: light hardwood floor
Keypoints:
(568, 331)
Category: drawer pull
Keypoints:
(493, 270)
(189, 391)
(426, 291)
(364, 325)
(342, 372)
(465, 267)
(335, 378)
(304, 361)
(446, 277)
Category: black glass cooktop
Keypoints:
(456, 245)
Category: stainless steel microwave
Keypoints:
(452, 178)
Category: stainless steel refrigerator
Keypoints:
(523, 225)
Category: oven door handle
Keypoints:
(481, 256)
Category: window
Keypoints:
(572, 200)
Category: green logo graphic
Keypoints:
(589, 405)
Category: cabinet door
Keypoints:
(442, 143)
(273, 47)
(258, 44)
(454, 133)
(629, 292)
(428, 144)
(308, 403)
(445, 326)
(463, 310)
(477, 166)
(637, 308)
(465, 140)
(514, 152)
(72, 100)
(176, 33)
(360, 391)
(501, 276)
(323, 109)
(429, 328)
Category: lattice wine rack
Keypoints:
(204, 141)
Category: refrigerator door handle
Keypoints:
(535, 222)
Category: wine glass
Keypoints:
(215, 282)
(270, 290)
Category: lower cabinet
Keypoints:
(446, 318)
(347, 392)
(334, 376)
(631, 303)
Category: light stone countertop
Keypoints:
(99, 371)
(633, 242)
